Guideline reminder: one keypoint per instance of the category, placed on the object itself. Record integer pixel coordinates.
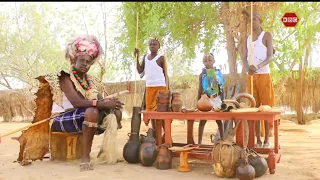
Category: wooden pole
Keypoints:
(45, 120)
(135, 74)
(251, 49)
(299, 94)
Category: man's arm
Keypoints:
(165, 70)
(269, 45)
(99, 96)
(75, 99)
(72, 95)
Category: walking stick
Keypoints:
(136, 116)
(136, 56)
(45, 120)
(251, 49)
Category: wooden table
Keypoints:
(204, 151)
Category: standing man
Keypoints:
(154, 67)
(263, 90)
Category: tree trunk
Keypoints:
(243, 45)
(307, 53)
(231, 45)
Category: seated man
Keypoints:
(79, 106)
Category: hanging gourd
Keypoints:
(245, 171)
(258, 163)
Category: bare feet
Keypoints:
(85, 166)
(119, 125)
(266, 145)
(258, 145)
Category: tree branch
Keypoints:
(24, 106)
(84, 21)
(7, 83)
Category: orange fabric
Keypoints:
(151, 97)
(263, 93)
(263, 90)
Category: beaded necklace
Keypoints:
(84, 82)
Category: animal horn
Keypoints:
(248, 96)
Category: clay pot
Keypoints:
(245, 171)
(204, 103)
(163, 97)
(162, 107)
(258, 163)
(164, 159)
(176, 106)
(163, 93)
(178, 98)
(148, 149)
(163, 100)
(176, 103)
(176, 95)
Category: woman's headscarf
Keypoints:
(85, 44)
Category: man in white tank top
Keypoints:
(263, 90)
(154, 66)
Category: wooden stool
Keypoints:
(65, 146)
(184, 166)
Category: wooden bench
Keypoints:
(65, 146)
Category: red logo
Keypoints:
(290, 19)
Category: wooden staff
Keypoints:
(251, 49)
(45, 120)
(135, 74)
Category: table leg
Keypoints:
(240, 135)
(190, 139)
(167, 131)
(272, 161)
(159, 131)
(276, 139)
(251, 130)
(276, 136)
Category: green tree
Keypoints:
(29, 47)
(181, 27)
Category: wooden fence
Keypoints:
(17, 105)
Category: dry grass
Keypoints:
(16, 103)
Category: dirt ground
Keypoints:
(300, 157)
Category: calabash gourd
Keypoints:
(245, 171)
(204, 103)
(225, 155)
(258, 163)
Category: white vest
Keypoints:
(259, 55)
(153, 72)
(66, 104)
